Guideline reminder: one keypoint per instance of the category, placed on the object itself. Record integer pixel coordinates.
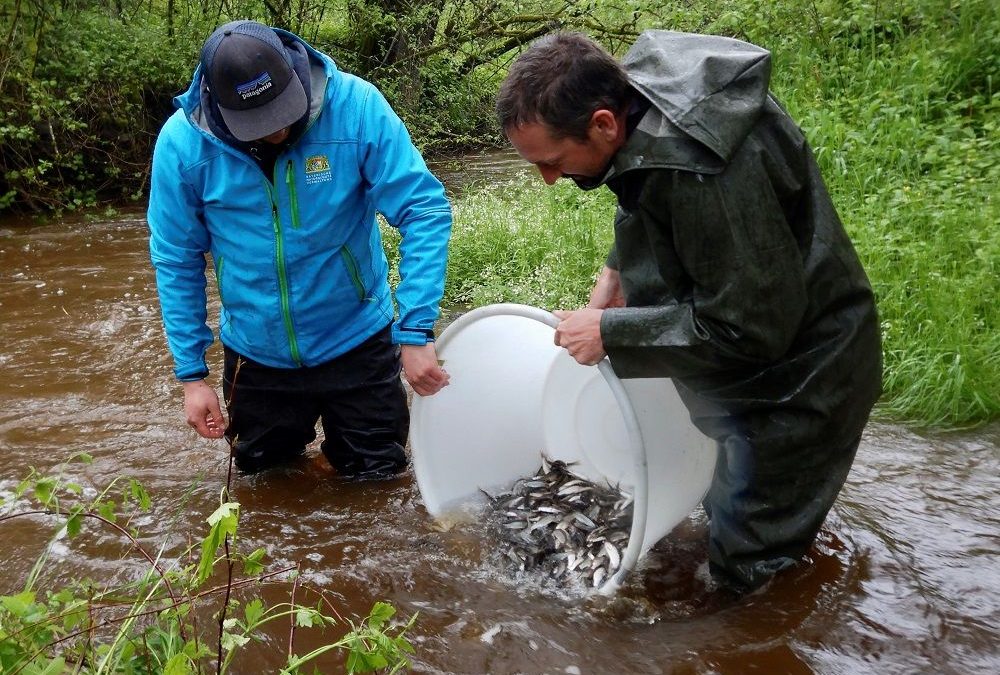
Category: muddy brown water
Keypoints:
(903, 579)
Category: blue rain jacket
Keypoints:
(299, 262)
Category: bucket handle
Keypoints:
(640, 498)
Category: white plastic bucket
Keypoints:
(514, 395)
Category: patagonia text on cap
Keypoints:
(251, 78)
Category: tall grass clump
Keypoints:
(522, 242)
(899, 101)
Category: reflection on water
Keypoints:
(904, 578)
(481, 169)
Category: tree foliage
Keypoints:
(83, 88)
(86, 84)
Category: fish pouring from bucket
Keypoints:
(562, 524)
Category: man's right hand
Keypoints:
(422, 369)
(607, 290)
(201, 407)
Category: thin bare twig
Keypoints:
(229, 477)
(291, 632)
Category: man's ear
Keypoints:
(605, 124)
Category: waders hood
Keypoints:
(742, 285)
(711, 88)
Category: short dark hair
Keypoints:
(560, 81)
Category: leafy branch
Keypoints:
(150, 624)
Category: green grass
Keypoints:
(904, 118)
(529, 243)
(902, 111)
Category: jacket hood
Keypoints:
(710, 89)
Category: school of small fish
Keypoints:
(562, 524)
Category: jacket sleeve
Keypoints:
(744, 277)
(411, 199)
(178, 241)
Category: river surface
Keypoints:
(905, 577)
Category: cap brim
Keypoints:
(284, 110)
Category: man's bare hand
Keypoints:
(421, 369)
(201, 407)
(607, 290)
(579, 333)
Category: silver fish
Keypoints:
(562, 525)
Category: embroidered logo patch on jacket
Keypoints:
(318, 169)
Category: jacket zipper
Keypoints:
(218, 277)
(286, 309)
(349, 260)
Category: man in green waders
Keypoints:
(730, 272)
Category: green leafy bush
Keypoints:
(79, 110)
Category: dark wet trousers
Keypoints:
(358, 396)
(767, 503)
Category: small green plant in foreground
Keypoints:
(149, 624)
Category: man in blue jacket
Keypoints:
(276, 164)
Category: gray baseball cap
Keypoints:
(250, 76)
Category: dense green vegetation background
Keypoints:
(900, 103)
(898, 99)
